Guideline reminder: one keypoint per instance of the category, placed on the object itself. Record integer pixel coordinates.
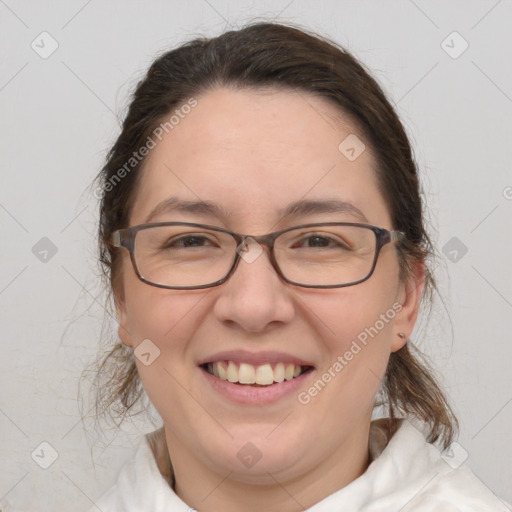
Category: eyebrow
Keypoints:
(293, 210)
(196, 207)
(303, 207)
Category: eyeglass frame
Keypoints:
(126, 238)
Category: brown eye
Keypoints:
(187, 241)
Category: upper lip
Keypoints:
(254, 358)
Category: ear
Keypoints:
(123, 329)
(409, 297)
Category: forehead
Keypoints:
(254, 152)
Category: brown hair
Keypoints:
(277, 56)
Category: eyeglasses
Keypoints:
(186, 256)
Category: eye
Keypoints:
(321, 240)
(188, 241)
(317, 241)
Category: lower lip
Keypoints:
(247, 394)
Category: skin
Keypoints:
(253, 153)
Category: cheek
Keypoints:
(360, 351)
(161, 323)
(159, 314)
(358, 314)
(356, 326)
(343, 392)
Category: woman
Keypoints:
(261, 229)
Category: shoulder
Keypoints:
(408, 474)
(427, 479)
(141, 484)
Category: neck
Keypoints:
(210, 491)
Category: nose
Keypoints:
(254, 296)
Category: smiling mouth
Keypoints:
(247, 374)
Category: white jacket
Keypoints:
(407, 475)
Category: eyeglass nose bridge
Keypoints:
(249, 256)
(262, 241)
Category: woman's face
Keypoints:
(253, 154)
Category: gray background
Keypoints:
(59, 115)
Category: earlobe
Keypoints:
(409, 298)
(124, 336)
(123, 327)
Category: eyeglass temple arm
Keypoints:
(396, 236)
(116, 238)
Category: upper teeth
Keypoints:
(249, 374)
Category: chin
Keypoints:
(252, 453)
